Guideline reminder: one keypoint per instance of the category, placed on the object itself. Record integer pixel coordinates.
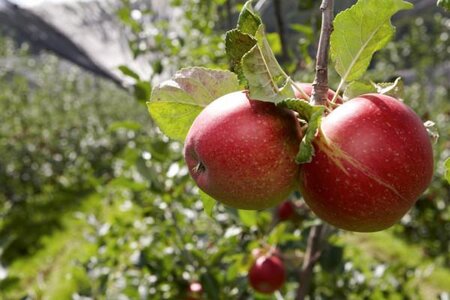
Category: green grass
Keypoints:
(384, 247)
(54, 271)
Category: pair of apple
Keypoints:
(373, 158)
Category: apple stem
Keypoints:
(320, 84)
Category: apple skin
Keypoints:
(373, 159)
(242, 152)
(267, 274)
(307, 88)
(286, 210)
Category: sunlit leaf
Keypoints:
(123, 182)
(359, 32)
(394, 89)
(276, 234)
(274, 41)
(357, 88)
(130, 125)
(252, 58)
(175, 103)
(266, 80)
(237, 44)
(447, 169)
(174, 118)
(248, 217)
(248, 22)
(208, 203)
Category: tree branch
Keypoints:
(320, 84)
(316, 242)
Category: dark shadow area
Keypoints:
(27, 222)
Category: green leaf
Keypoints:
(447, 169)
(210, 285)
(142, 90)
(253, 60)
(394, 89)
(274, 41)
(331, 257)
(248, 217)
(208, 203)
(175, 103)
(241, 39)
(128, 72)
(266, 79)
(276, 234)
(313, 115)
(174, 119)
(445, 4)
(306, 30)
(359, 32)
(130, 125)
(123, 182)
(248, 21)
(357, 88)
(237, 44)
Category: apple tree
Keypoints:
(193, 214)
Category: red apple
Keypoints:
(267, 274)
(307, 88)
(242, 152)
(373, 160)
(286, 210)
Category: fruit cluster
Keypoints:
(373, 158)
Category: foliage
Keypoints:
(177, 102)
(191, 40)
(64, 142)
(354, 43)
(444, 4)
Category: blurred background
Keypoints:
(96, 203)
